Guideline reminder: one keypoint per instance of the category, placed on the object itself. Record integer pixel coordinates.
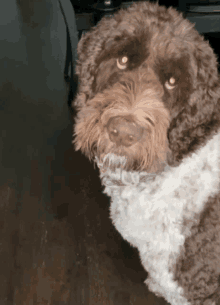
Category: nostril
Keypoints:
(114, 132)
(130, 138)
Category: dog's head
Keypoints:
(148, 88)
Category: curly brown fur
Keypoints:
(148, 100)
(198, 270)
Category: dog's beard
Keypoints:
(112, 161)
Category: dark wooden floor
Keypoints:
(65, 250)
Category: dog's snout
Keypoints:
(124, 131)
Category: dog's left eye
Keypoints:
(122, 62)
(171, 83)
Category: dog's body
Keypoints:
(149, 114)
(161, 215)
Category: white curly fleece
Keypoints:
(148, 211)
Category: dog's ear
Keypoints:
(201, 115)
(89, 49)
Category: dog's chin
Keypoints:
(120, 158)
(112, 161)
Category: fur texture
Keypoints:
(156, 213)
(149, 115)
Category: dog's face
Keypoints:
(145, 76)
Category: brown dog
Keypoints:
(149, 114)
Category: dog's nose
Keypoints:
(124, 131)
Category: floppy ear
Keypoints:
(200, 118)
(89, 49)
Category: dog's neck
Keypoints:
(205, 157)
(149, 211)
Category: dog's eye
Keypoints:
(171, 83)
(122, 62)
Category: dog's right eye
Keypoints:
(171, 83)
(122, 62)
